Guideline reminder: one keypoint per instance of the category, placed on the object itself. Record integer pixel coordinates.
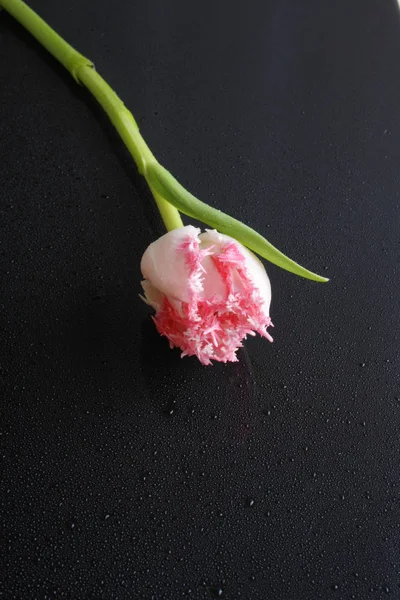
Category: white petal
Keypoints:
(152, 295)
(164, 265)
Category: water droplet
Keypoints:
(214, 591)
(71, 524)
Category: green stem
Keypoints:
(82, 70)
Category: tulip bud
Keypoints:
(209, 292)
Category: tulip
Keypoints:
(209, 292)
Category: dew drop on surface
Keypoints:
(70, 524)
(215, 591)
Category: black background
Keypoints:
(128, 472)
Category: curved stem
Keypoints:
(169, 214)
(83, 71)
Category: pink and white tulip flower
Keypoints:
(209, 292)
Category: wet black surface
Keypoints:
(126, 471)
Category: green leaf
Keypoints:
(171, 190)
